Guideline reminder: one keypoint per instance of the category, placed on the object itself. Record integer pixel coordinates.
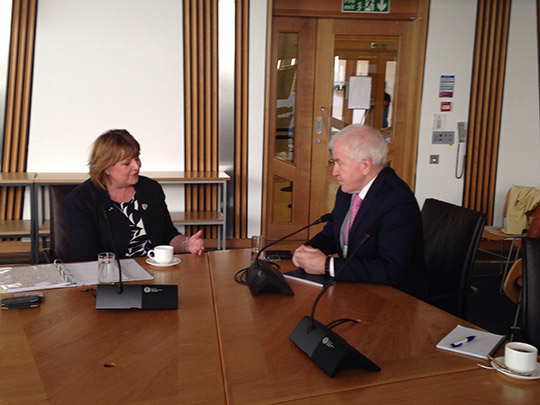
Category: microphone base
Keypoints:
(137, 296)
(327, 349)
(263, 277)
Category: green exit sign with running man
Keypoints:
(366, 6)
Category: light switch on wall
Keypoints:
(439, 121)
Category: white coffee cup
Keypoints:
(162, 254)
(520, 357)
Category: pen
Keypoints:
(459, 343)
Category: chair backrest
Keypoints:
(534, 227)
(451, 238)
(530, 300)
(59, 235)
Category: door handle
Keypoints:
(325, 120)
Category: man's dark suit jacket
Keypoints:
(87, 227)
(393, 255)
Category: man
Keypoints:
(385, 208)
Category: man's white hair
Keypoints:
(361, 142)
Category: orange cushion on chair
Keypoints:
(513, 281)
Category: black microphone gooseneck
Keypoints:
(261, 276)
(320, 343)
(133, 296)
(120, 286)
(324, 218)
(371, 231)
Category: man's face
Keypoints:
(351, 175)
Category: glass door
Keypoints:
(361, 72)
(326, 74)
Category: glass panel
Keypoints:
(282, 210)
(390, 82)
(286, 91)
(364, 56)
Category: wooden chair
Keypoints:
(495, 233)
(451, 238)
(513, 282)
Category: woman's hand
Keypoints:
(195, 244)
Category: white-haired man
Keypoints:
(371, 199)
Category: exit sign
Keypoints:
(365, 6)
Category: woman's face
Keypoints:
(124, 173)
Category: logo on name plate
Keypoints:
(148, 290)
(327, 342)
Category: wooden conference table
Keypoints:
(225, 346)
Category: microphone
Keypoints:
(134, 296)
(120, 287)
(262, 276)
(322, 345)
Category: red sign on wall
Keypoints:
(446, 106)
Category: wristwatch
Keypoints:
(327, 266)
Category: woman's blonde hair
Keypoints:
(109, 148)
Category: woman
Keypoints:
(116, 210)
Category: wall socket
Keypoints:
(434, 159)
(443, 137)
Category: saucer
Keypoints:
(174, 262)
(535, 375)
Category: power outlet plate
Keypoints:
(443, 137)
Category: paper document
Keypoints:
(58, 274)
(301, 275)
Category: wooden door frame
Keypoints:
(405, 139)
(273, 165)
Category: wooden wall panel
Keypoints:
(241, 118)
(17, 118)
(201, 102)
(487, 85)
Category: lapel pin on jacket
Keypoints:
(144, 206)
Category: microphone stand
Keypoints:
(326, 348)
(262, 276)
(120, 286)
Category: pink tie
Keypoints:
(354, 209)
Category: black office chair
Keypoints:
(451, 238)
(59, 237)
(530, 292)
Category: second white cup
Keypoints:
(162, 254)
(520, 357)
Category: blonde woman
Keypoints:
(117, 210)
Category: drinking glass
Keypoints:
(106, 268)
(257, 243)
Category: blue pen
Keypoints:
(466, 340)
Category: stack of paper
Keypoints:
(58, 274)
